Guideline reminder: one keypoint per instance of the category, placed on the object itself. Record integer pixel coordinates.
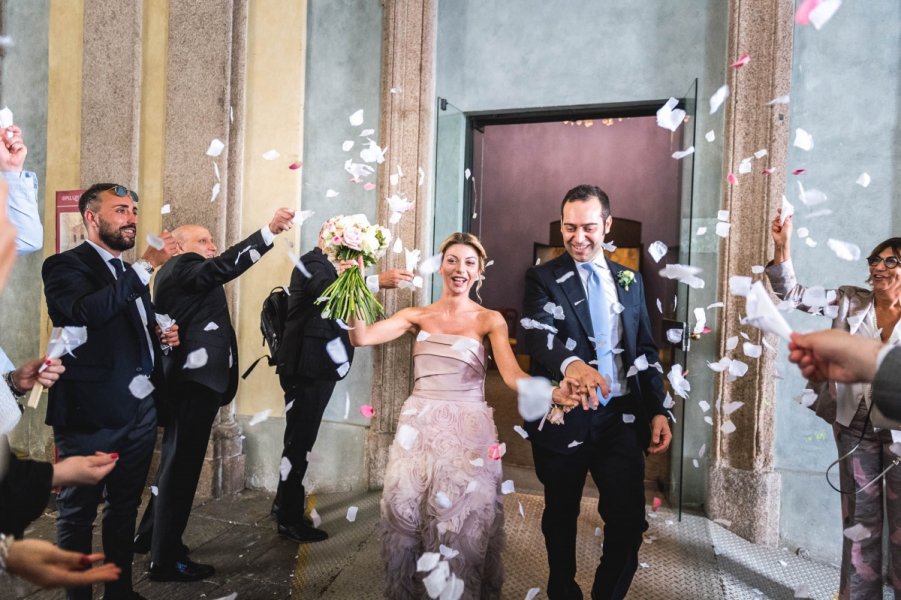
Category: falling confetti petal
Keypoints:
(684, 273)
(670, 117)
(367, 411)
(336, 351)
(821, 14)
(657, 250)
(155, 241)
(210, 326)
(427, 562)
(522, 432)
(260, 417)
(196, 359)
(216, 147)
(761, 153)
(356, 119)
(863, 180)
(284, 469)
(352, 513)
(295, 165)
(166, 209)
(728, 427)
(532, 593)
(406, 436)
(628, 418)
(710, 136)
(701, 231)
(215, 192)
(722, 229)
(534, 396)
(140, 386)
(574, 443)
(803, 140)
(857, 533)
(680, 154)
(742, 61)
(507, 487)
(731, 179)
(431, 264)
(718, 97)
(844, 250)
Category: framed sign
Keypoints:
(70, 230)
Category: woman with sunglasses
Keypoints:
(864, 451)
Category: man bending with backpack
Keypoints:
(308, 372)
(201, 376)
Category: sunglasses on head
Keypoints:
(122, 191)
(890, 262)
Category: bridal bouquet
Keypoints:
(352, 238)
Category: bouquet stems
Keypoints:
(349, 298)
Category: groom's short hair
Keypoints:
(582, 193)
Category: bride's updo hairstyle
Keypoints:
(468, 239)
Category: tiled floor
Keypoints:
(694, 559)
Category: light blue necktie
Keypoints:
(600, 322)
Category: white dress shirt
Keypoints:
(616, 324)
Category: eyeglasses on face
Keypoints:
(890, 262)
(122, 191)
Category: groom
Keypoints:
(600, 328)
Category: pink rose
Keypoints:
(367, 411)
(496, 451)
(353, 238)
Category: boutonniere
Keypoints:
(625, 278)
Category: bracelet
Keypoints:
(5, 543)
(16, 390)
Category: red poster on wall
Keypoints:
(70, 230)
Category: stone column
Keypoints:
(111, 92)
(744, 490)
(406, 125)
(205, 92)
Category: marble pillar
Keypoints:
(406, 125)
(744, 489)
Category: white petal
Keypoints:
(356, 119)
(507, 487)
(260, 417)
(657, 250)
(216, 147)
(803, 140)
(336, 351)
(196, 359)
(863, 180)
(284, 469)
(140, 386)
(718, 97)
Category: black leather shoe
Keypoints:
(181, 570)
(142, 546)
(302, 533)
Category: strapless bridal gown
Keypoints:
(441, 488)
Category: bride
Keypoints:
(441, 490)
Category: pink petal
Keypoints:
(656, 504)
(769, 171)
(295, 165)
(731, 178)
(369, 186)
(799, 171)
(802, 15)
(367, 411)
(745, 59)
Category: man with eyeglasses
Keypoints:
(104, 401)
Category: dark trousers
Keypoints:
(616, 462)
(192, 410)
(310, 397)
(121, 491)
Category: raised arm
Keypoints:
(566, 395)
(391, 328)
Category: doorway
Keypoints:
(502, 176)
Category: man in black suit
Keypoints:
(201, 376)
(595, 310)
(102, 402)
(308, 374)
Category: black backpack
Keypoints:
(272, 325)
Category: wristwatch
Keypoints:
(144, 264)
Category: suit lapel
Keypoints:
(575, 292)
(95, 261)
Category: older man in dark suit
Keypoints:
(103, 400)
(201, 376)
(595, 312)
(308, 375)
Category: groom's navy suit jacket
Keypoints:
(550, 283)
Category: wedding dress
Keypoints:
(441, 487)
